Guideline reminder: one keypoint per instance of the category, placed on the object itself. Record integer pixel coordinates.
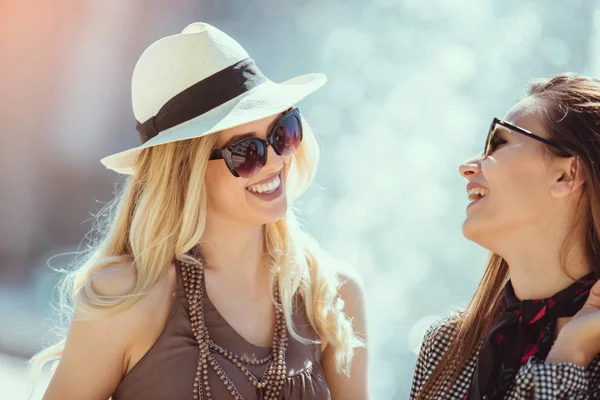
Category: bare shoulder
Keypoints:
(114, 280)
(120, 279)
(352, 285)
(146, 317)
(110, 342)
(352, 292)
(351, 289)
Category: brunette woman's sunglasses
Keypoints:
(245, 157)
(493, 138)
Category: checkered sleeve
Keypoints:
(422, 366)
(434, 343)
(553, 381)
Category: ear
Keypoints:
(569, 177)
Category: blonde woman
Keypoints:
(203, 285)
(532, 328)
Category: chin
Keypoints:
(472, 230)
(479, 233)
(467, 231)
(274, 213)
(278, 213)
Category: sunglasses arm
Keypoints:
(216, 155)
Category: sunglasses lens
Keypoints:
(488, 140)
(248, 157)
(287, 135)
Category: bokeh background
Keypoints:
(412, 87)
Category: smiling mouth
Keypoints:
(477, 194)
(266, 188)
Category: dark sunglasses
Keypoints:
(245, 157)
(492, 140)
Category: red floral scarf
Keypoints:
(525, 329)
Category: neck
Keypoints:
(535, 265)
(234, 250)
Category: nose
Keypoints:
(274, 162)
(471, 167)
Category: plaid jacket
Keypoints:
(534, 381)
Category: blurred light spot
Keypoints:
(358, 255)
(379, 69)
(434, 200)
(555, 51)
(325, 117)
(313, 206)
(316, 14)
(347, 91)
(596, 19)
(457, 62)
(524, 29)
(593, 68)
(458, 123)
(421, 156)
(347, 42)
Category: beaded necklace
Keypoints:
(275, 372)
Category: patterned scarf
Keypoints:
(525, 329)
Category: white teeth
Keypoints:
(266, 187)
(477, 193)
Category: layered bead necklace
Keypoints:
(275, 371)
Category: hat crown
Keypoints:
(174, 63)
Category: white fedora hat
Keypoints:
(200, 82)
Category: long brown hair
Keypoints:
(571, 116)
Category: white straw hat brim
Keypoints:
(264, 100)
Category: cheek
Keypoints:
(518, 182)
(224, 190)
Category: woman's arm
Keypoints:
(355, 386)
(553, 381)
(435, 342)
(93, 361)
(97, 351)
(423, 366)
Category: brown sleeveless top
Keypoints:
(167, 370)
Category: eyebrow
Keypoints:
(241, 136)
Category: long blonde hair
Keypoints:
(160, 215)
